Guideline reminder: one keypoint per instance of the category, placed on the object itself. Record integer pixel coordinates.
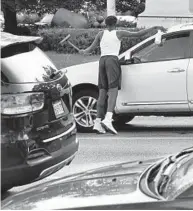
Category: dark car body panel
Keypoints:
(34, 141)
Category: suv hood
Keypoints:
(115, 184)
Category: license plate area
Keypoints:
(59, 109)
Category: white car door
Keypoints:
(157, 81)
(190, 77)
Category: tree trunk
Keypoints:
(10, 20)
(111, 7)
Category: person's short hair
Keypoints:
(111, 21)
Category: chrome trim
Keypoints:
(156, 103)
(62, 134)
(58, 164)
(176, 70)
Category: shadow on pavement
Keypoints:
(152, 128)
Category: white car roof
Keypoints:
(8, 39)
(181, 27)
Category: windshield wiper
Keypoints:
(161, 179)
(168, 166)
(184, 152)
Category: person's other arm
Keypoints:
(124, 33)
(93, 45)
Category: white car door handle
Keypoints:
(176, 70)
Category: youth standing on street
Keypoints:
(109, 78)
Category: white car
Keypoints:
(156, 80)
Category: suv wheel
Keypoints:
(85, 109)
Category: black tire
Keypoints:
(84, 93)
(120, 121)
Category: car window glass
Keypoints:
(17, 49)
(173, 47)
(40, 68)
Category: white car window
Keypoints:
(173, 47)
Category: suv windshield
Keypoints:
(25, 62)
(17, 49)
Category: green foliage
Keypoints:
(9, 7)
(126, 24)
(133, 5)
(136, 6)
(82, 38)
(17, 4)
(51, 6)
(42, 6)
(26, 18)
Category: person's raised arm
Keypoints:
(124, 33)
(93, 45)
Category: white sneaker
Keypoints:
(107, 124)
(99, 128)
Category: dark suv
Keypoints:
(38, 132)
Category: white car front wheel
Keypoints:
(85, 109)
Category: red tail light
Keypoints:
(12, 104)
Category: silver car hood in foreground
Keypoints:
(108, 185)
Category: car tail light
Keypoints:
(12, 104)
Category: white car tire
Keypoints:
(85, 109)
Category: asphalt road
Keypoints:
(143, 138)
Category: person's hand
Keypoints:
(161, 28)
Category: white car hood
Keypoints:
(86, 73)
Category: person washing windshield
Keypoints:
(109, 78)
